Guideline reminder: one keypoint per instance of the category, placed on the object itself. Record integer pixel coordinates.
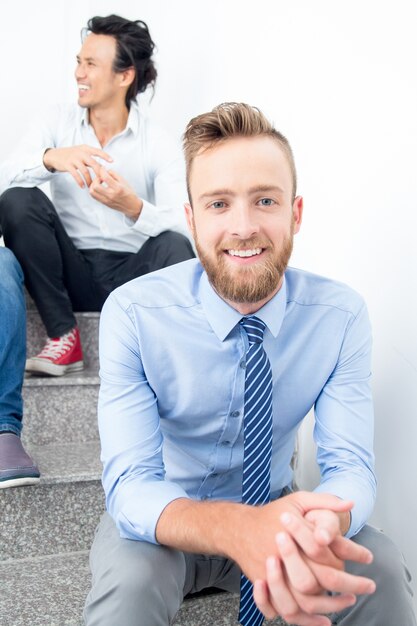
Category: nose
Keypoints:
(243, 222)
(79, 71)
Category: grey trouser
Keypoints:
(141, 584)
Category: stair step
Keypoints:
(219, 609)
(60, 408)
(88, 324)
(44, 591)
(51, 591)
(60, 514)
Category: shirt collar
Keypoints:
(223, 318)
(83, 116)
(132, 120)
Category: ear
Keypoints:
(189, 216)
(127, 77)
(297, 211)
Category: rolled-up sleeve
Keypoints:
(166, 172)
(24, 167)
(129, 424)
(344, 425)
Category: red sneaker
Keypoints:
(59, 356)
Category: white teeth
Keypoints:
(244, 253)
(83, 87)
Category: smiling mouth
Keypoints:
(83, 87)
(245, 253)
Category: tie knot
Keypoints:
(254, 329)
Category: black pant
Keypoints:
(59, 277)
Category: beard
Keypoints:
(247, 283)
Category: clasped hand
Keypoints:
(106, 186)
(302, 560)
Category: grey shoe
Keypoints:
(16, 466)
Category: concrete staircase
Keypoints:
(46, 530)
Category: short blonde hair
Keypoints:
(226, 121)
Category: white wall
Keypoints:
(339, 79)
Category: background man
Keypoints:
(117, 189)
(16, 466)
(197, 451)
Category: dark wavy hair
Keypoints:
(134, 48)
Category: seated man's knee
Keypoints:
(176, 244)
(138, 583)
(152, 569)
(388, 566)
(16, 205)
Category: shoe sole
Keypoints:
(19, 482)
(42, 366)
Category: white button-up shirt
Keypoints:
(142, 153)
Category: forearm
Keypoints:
(201, 527)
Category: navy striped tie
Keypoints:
(257, 444)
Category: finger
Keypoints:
(324, 603)
(97, 152)
(76, 176)
(96, 167)
(261, 597)
(348, 550)
(304, 536)
(325, 521)
(115, 176)
(280, 596)
(299, 575)
(327, 525)
(85, 174)
(98, 192)
(308, 501)
(106, 177)
(282, 600)
(333, 579)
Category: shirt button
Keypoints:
(235, 413)
(243, 365)
(225, 443)
(214, 474)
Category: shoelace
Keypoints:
(58, 346)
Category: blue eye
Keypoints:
(218, 205)
(266, 202)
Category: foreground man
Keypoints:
(208, 369)
(117, 186)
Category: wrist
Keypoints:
(136, 209)
(345, 520)
(46, 161)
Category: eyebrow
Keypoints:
(85, 58)
(230, 192)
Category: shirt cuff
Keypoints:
(141, 508)
(148, 222)
(356, 492)
(34, 169)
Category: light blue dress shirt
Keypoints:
(172, 367)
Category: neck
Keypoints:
(108, 122)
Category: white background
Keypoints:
(339, 79)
